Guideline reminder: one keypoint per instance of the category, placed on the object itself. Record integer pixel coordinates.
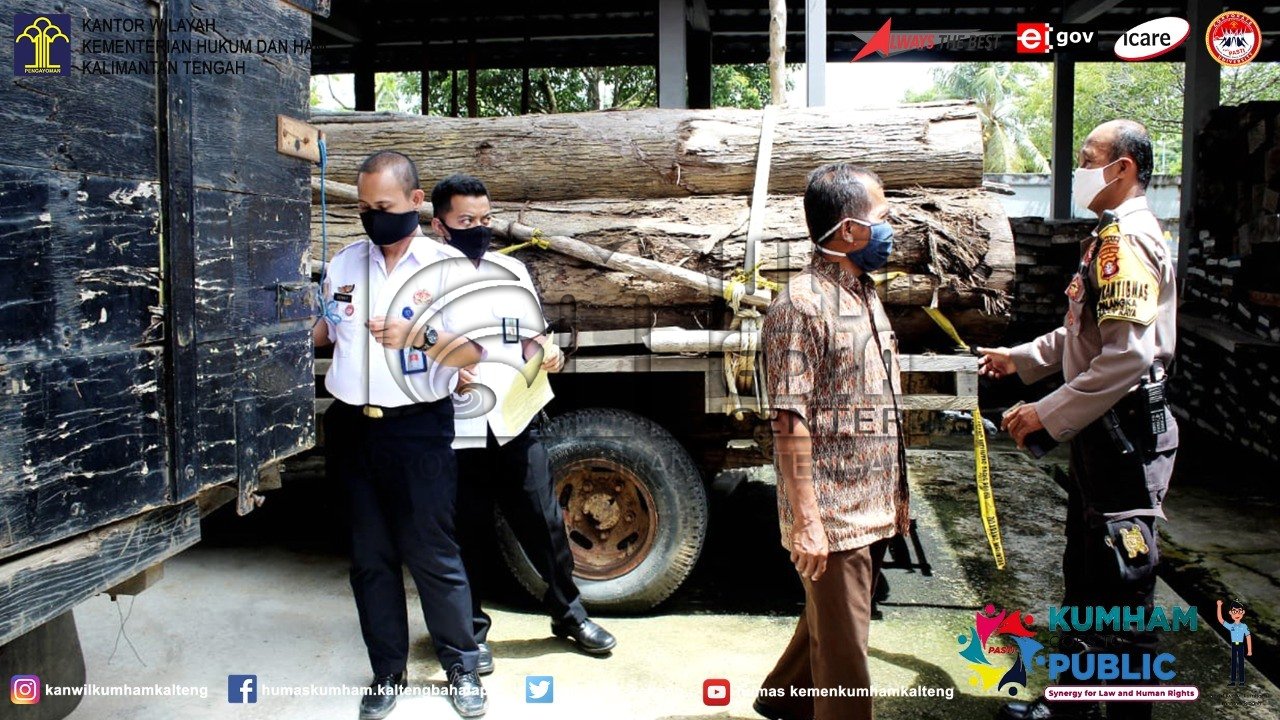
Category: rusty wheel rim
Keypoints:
(609, 516)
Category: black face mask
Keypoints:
(384, 228)
(472, 241)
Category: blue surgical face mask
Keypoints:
(875, 254)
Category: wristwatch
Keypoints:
(429, 339)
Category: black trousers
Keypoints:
(401, 481)
(1098, 569)
(1237, 662)
(517, 476)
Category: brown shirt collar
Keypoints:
(849, 280)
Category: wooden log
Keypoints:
(955, 241)
(654, 153)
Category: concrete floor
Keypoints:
(275, 602)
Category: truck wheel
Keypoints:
(634, 509)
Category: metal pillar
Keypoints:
(1203, 83)
(672, 54)
(1063, 159)
(815, 52)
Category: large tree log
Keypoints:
(654, 153)
(955, 241)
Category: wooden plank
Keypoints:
(176, 160)
(296, 138)
(249, 250)
(102, 124)
(44, 584)
(236, 128)
(80, 259)
(636, 363)
(938, 363)
(1221, 334)
(82, 443)
(938, 402)
(274, 373)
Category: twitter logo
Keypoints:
(539, 689)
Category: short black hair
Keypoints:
(457, 184)
(836, 191)
(1131, 139)
(399, 163)
(1237, 605)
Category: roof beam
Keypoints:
(1082, 11)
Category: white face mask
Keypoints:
(1086, 183)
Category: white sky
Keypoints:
(867, 84)
(849, 85)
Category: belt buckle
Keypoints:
(372, 411)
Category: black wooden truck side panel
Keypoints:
(154, 313)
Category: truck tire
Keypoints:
(634, 505)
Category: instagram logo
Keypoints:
(24, 689)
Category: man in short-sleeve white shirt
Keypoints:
(396, 353)
(497, 305)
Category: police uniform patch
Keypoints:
(1109, 260)
(1134, 543)
(1075, 290)
(349, 310)
(1127, 289)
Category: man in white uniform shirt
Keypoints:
(388, 433)
(508, 465)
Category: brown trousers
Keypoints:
(829, 647)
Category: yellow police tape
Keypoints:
(981, 461)
(537, 239)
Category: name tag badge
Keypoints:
(342, 297)
(413, 361)
(510, 330)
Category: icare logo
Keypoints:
(24, 689)
(1152, 39)
(1040, 38)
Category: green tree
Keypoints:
(553, 90)
(998, 89)
(1018, 97)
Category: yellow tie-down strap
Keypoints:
(982, 464)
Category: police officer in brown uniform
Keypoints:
(1115, 343)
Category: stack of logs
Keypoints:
(1048, 255)
(1227, 379)
(1234, 249)
(674, 186)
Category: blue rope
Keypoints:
(324, 232)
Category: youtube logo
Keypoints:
(1033, 38)
(715, 692)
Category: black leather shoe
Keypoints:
(764, 710)
(484, 666)
(1038, 709)
(466, 693)
(381, 698)
(589, 637)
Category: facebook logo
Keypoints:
(242, 689)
